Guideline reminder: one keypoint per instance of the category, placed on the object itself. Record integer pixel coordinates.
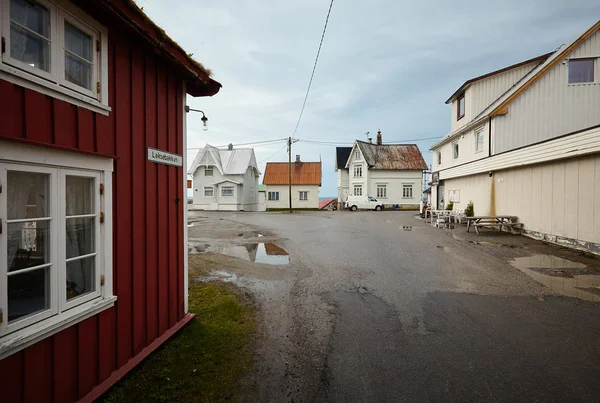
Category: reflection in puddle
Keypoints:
(563, 276)
(267, 253)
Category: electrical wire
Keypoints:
(313, 70)
(257, 143)
(338, 143)
(278, 151)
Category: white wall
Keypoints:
(475, 188)
(551, 107)
(343, 184)
(467, 149)
(217, 202)
(249, 197)
(395, 181)
(312, 202)
(262, 201)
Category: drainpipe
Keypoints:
(490, 137)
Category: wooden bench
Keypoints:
(509, 226)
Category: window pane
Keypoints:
(28, 244)
(81, 277)
(78, 72)
(28, 195)
(29, 48)
(78, 42)
(461, 107)
(28, 293)
(581, 71)
(80, 195)
(31, 15)
(80, 236)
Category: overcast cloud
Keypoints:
(384, 64)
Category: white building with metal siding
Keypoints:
(540, 157)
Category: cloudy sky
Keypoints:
(386, 65)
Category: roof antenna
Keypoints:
(369, 138)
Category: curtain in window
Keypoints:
(18, 195)
(79, 235)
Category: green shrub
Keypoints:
(450, 206)
(469, 211)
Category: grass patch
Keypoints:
(204, 361)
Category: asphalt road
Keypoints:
(376, 312)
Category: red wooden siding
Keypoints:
(146, 101)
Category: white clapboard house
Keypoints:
(225, 179)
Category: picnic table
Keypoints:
(497, 221)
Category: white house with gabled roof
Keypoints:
(225, 179)
(525, 141)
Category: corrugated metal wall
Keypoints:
(148, 230)
(482, 93)
(551, 107)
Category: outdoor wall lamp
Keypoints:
(204, 119)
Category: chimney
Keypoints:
(379, 140)
(298, 162)
(230, 147)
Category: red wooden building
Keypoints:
(93, 262)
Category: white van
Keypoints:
(362, 202)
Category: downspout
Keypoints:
(493, 184)
(490, 137)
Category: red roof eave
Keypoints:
(197, 78)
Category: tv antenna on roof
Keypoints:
(369, 138)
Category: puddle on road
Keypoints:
(561, 275)
(267, 253)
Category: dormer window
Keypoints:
(460, 107)
(357, 154)
(208, 172)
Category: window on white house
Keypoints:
(208, 172)
(439, 158)
(358, 171)
(227, 191)
(581, 71)
(357, 154)
(55, 41)
(460, 107)
(52, 250)
(273, 196)
(381, 191)
(479, 140)
(209, 191)
(407, 191)
(455, 150)
(303, 196)
(357, 190)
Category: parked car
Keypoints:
(362, 202)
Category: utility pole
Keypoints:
(290, 170)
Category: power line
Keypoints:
(256, 143)
(314, 68)
(339, 143)
(278, 151)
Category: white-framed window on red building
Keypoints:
(55, 48)
(55, 244)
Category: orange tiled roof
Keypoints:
(304, 173)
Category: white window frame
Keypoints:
(212, 190)
(479, 134)
(383, 194)
(407, 187)
(211, 170)
(305, 192)
(455, 150)
(594, 71)
(62, 313)
(439, 157)
(356, 189)
(357, 154)
(269, 198)
(54, 83)
(228, 187)
(358, 171)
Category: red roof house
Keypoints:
(92, 194)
